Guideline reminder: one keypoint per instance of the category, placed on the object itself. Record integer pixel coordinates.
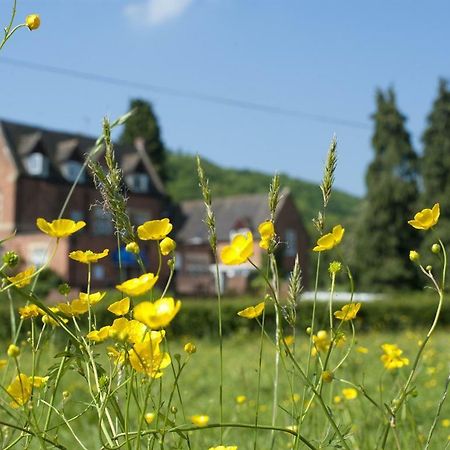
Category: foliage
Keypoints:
(144, 124)
(383, 240)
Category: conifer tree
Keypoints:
(144, 124)
(436, 163)
(384, 237)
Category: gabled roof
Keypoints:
(231, 213)
(60, 147)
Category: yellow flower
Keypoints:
(321, 342)
(132, 247)
(190, 348)
(240, 399)
(21, 388)
(80, 305)
(13, 351)
(200, 420)
(93, 298)
(157, 314)
(414, 255)
(146, 357)
(362, 349)
(392, 357)
(240, 249)
(445, 423)
(349, 393)
(59, 228)
(131, 331)
(337, 399)
(88, 256)
(49, 320)
(138, 286)
(167, 246)
(327, 376)
(33, 21)
(330, 240)
(348, 312)
(426, 218)
(224, 447)
(30, 311)
(154, 230)
(149, 417)
(289, 340)
(267, 232)
(24, 278)
(252, 311)
(121, 307)
(99, 335)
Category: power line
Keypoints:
(174, 92)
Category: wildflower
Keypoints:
(131, 331)
(190, 348)
(445, 423)
(99, 335)
(348, 312)
(224, 447)
(117, 357)
(349, 393)
(414, 256)
(267, 232)
(33, 21)
(167, 245)
(24, 278)
(49, 320)
(132, 247)
(330, 240)
(289, 340)
(138, 286)
(200, 420)
(121, 307)
(59, 228)
(321, 342)
(426, 218)
(149, 417)
(21, 388)
(252, 311)
(240, 399)
(157, 314)
(146, 357)
(154, 230)
(392, 357)
(88, 256)
(334, 267)
(435, 248)
(13, 351)
(361, 349)
(93, 298)
(240, 249)
(337, 399)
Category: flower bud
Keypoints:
(11, 259)
(149, 417)
(132, 247)
(429, 268)
(334, 267)
(173, 409)
(64, 289)
(327, 376)
(167, 246)
(33, 22)
(436, 248)
(414, 256)
(308, 330)
(13, 351)
(190, 348)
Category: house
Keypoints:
(238, 214)
(37, 170)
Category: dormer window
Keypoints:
(37, 164)
(137, 182)
(71, 169)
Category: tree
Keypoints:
(436, 163)
(144, 124)
(384, 238)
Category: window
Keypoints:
(102, 224)
(37, 164)
(71, 169)
(291, 242)
(37, 254)
(137, 182)
(138, 217)
(196, 263)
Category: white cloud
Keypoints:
(156, 12)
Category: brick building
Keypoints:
(37, 170)
(237, 214)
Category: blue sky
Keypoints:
(322, 58)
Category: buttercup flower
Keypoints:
(13, 351)
(30, 311)
(138, 286)
(21, 388)
(267, 232)
(99, 335)
(167, 245)
(157, 314)
(49, 320)
(348, 312)
(190, 348)
(330, 240)
(200, 420)
(240, 399)
(59, 228)
(321, 342)
(24, 278)
(131, 331)
(132, 247)
(93, 298)
(361, 349)
(88, 256)
(426, 218)
(154, 230)
(121, 307)
(33, 21)
(392, 357)
(149, 417)
(414, 256)
(240, 249)
(349, 393)
(252, 311)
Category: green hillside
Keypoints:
(183, 185)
